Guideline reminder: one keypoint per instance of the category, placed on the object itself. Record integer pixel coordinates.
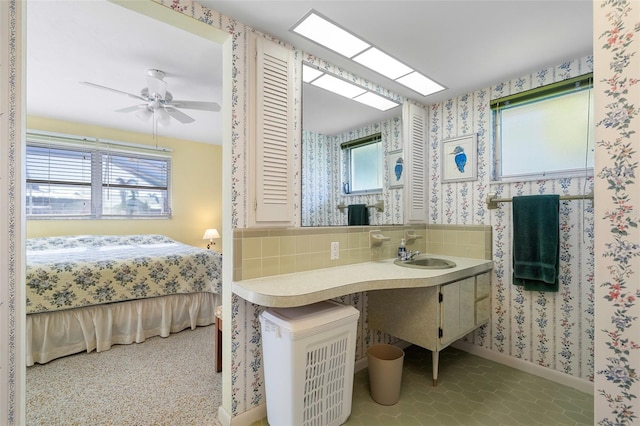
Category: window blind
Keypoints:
(376, 137)
(134, 184)
(58, 180)
(72, 176)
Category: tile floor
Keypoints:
(471, 391)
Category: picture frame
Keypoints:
(396, 168)
(460, 158)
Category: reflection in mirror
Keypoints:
(329, 120)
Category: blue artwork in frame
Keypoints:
(395, 168)
(459, 159)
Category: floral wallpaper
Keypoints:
(321, 158)
(617, 381)
(553, 330)
(10, 361)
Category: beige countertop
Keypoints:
(304, 288)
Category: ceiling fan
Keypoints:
(158, 101)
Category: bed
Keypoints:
(89, 292)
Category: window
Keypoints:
(73, 177)
(58, 181)
(364, 164)
(545, 131)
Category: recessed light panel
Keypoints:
(382, 63)
(309, 73)
(420, 83)
(330, 35)
(324, 32)
(376, 101)
(336, 85)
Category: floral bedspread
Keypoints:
(74, 271)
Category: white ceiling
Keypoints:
(107, 44)
(463, 45)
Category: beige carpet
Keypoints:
(163, 381)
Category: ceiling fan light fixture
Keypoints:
(144, 113)
(163, 117)
(158, 101)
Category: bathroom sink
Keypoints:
(426, 262)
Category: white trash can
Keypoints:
(309, 356)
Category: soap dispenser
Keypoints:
(402, 250)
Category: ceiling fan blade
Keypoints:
(204, 106)
(130, 109)
(156, 86)
(97, 86)
(178, 115)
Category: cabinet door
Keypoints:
(415, 131)
(271, 135)
(483, 299)
(410, 314)
(457, 309)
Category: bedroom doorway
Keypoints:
(156, 43)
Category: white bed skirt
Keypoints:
(56, 334)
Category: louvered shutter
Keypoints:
(416, 134)
(273, 134)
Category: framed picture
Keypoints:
(396, 168)
(460, 159)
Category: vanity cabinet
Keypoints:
(432, 317)
(270, 151)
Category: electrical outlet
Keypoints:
(335, 250)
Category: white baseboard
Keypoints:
(223, 416)
(556, 376)
(245, 419)
(363, 363)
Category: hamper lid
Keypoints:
(309, 316)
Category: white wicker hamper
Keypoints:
(309, 355)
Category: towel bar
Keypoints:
(378, 205)
(492, 201)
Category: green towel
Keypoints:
(536, 242)
(358, 214)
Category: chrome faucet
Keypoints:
(411, 254)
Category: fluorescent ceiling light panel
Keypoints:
(336, 85)
(309, 73)
(420, 83)
(382, 63)
(330, 35)
(376, 101)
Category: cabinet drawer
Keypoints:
(483, 310)
(483, 285)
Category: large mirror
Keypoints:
(328, 120)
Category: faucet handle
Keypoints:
(412, 254)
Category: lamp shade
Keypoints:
(163, 117)
(144, 113)
(210, 234)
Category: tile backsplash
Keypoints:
(274, 251)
